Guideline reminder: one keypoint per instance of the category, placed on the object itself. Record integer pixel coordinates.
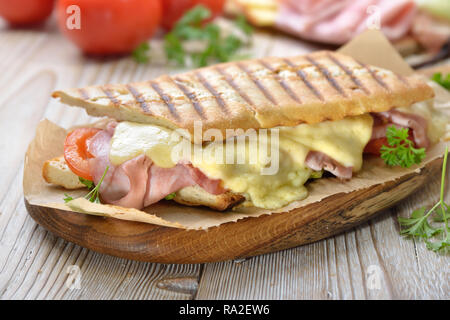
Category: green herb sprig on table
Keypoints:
(418, 224)
(93, 195)
(214, 45)
(444, 81)
(401, 151)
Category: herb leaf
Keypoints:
(88, 183)
(417, 225)
(195, 16)
(140, 54)
(213, 45)
(93, 195)
(439, 245)
(401, 151)
(242, 24)
(67, 198)
(170, 196)
(442, 80)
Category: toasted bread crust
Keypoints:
(56, 171)
(256, 94)
(196, 196)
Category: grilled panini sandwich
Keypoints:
(318, 112)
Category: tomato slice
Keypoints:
(76, 153)
(374, 146)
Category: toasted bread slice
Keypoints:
(56, 171)
(256, 94)
(196, 196)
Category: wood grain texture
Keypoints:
(235, 240)
(33, 262)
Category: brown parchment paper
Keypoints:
(370, 47)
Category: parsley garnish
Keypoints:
(401, 151)
(140, 53)
(67, 198)
(88, 183)
(93, 195)
(170, 196)
(442, 80)
(213, 45)
(417, 225)
(242, 24)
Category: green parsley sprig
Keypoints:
(170, 196)
(442, 80)
(140, 54)
(214, 46)
(93, 195)
(418, 224)
(401, 151)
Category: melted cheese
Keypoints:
(132, 139)
(437, 121)
(342, 140)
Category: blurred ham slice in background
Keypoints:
(338, 21)
(419, 29)
(430, 31)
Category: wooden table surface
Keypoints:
(369, 262)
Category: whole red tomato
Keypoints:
(23, 12)
(108, 26)
(174, 9)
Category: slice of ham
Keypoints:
(138, 182)
(317, 161)
(164, 181)
(338, 21)
(431, 32)
(416, 123)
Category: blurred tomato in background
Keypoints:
(110, 26)
(25, 12)
(174, 9)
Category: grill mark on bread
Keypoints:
(166, 98)
(303, 77)
(110, 95)
(138, 97)
(375, 76)
(233, 85)
(265, 114)
(324, 71)
(403, 79)
(283, 83)
(84, 94)
(349, 73)
(258, 83)
(191, 96)
(249, 104)
(213, 91)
